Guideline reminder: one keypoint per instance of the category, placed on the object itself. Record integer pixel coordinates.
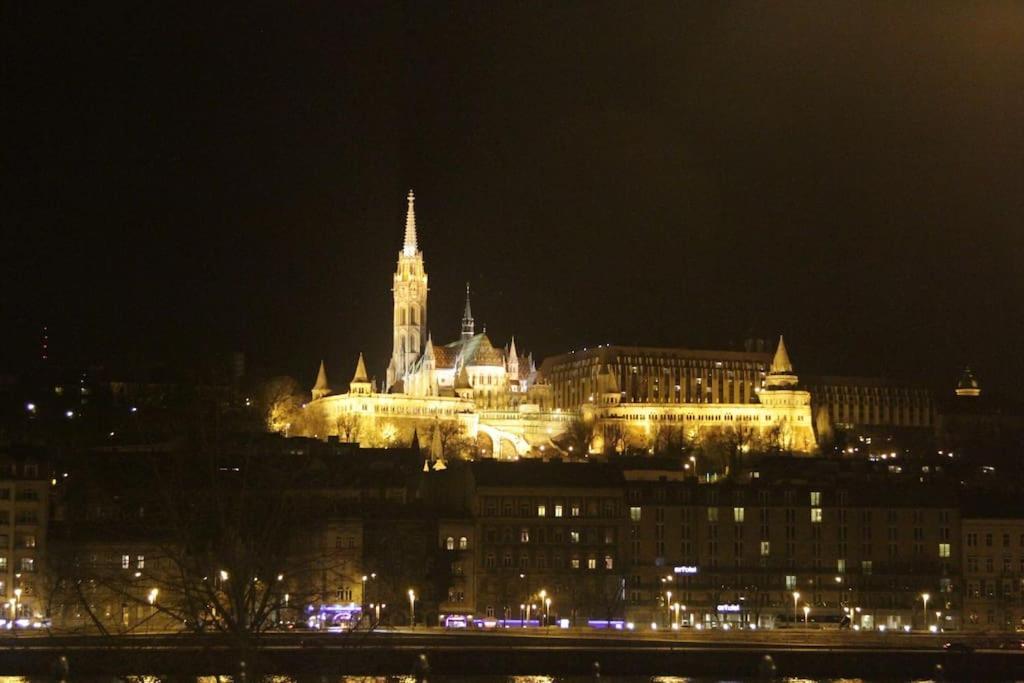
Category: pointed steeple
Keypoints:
(428, 350)
(467, 318)
(361, 375)
(512, 362)
(414, 445)
(410, 248)
(780, 374)
(360, 383)
(781, 364)
(321, 388)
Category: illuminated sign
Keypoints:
(685, 569)
(729, 607)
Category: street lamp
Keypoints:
(412, 608)
(362, 598)
(153, 593)
(547, 612)
(542, 595)
(807, 612)
(668, 606)
(924, 599)
(796, 597)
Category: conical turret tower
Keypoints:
(321, 388)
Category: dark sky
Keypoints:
(182, 180)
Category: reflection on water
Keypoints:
(280, 678)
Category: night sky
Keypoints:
(185, 181)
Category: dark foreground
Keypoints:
(474, 654)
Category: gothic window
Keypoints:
(401, 316)
(414, 315)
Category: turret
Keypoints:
(321, 388)
(968, 384)
(512, 362)
(781, 375)
(360, 384)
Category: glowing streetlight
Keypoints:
(223, 575)
(153, 593)
(796, 597)
(924, 600)
(807, 612)
(547, 612)
(668, 605)
(412, 608)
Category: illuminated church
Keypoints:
(496, 394)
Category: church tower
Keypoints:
(410, 296)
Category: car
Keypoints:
(958, 648)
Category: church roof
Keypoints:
(476, 350)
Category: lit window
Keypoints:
(524, 535)
(28, 564)
(140, 561)
(815, 515)
(766, 548)
(609, 563)
(3, 564)
(575, 563)
(944, 550)
(816, 498)
(542, 511)
(126, 561)
(790, 582)
(841, 566)
(575, 510)
(634, 514)
(463, 543)
(591, 563)
(712, 514)
(737, 514)
(574, 537)
(449, 543)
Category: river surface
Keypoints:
(460, 679)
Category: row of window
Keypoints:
(973, 565)
(24, 564)
(558, 534)
(573, 508)
(540, 562)
(972, 540)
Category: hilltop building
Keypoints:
(627, 393)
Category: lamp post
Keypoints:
(412, 608)
(807, 612)
(522, 615)
(362, 598)
(543, 594)
(547, 612)
(796, 597)
(668, 606)
(924, 600)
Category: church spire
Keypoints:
(467, 318)
(360, 375)
(410, 248)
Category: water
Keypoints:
(456, 679)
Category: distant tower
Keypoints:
(512, 362)
(781, 375)
(968, 384)
(410, 294)
(468, 327)
(360, 384)
(321, 388)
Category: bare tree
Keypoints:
(281, 401)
